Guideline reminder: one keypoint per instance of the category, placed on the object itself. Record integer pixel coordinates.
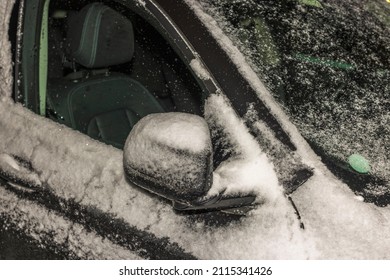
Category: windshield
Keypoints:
(328, 63)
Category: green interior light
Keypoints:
(359, 163)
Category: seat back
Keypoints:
(104, 106)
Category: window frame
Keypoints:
(154, 14)
(30, 39)
(27, 54)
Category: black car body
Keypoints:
(68, 192)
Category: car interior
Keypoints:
(108, 68)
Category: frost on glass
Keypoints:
(329, 66)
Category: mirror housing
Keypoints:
(170, 154)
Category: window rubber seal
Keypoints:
(43, 59)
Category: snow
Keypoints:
(286, 162)
(142, 3)
(47, 227)
(248, 170)
(7, 160)
(168, 148)
(5, 49)
(18, 171)
(173, 150)
(76, 168)
(237, 57)
(167, 130)
(199, 69)
(355, 123)
(342, 226)
(328, 208)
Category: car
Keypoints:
(315, 56)
(154, 129)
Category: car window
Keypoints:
(103, 67)
(327, 62)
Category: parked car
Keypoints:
(142, 129)
(328, 64)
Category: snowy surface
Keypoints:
(341, 225)
(48, 229)
(247, 71)
(285, 161)
(5, 49)
(181, 131)
(330, 211)
(91, 174)
(17, 171)
(174, 151)
(199, 69)
(74, 167)
(345, 117)
(247, 170)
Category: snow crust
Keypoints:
(285, 161)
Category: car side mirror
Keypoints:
(170, 154)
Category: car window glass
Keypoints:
(108, 67)
(327, 62)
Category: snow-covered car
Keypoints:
(188, 129)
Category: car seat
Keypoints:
(92, 100)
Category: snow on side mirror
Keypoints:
(170, 154)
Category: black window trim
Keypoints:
(27, 58)
(27, 55)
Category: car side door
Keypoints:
(74, 181)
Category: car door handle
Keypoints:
(18, 173)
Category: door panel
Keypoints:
(83, 180)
